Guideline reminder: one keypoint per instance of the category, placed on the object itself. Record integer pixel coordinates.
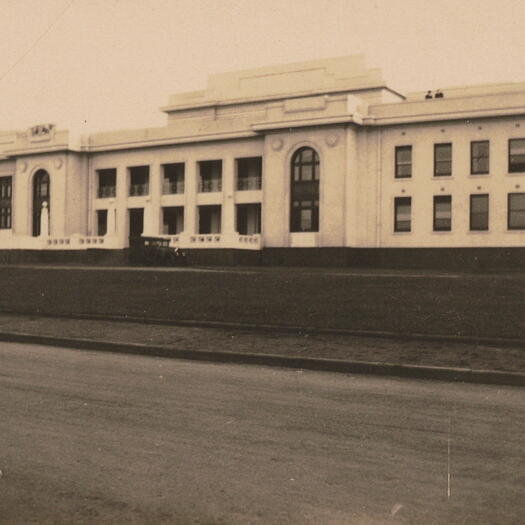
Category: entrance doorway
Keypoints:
(41, 194)
(136, 224)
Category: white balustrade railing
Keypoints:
(216, 240)
(172, 188)
(249, 183)
(85, 242)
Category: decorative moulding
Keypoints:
(41, 133)
(277, 144)
(331, 139)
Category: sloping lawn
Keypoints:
(479, 305)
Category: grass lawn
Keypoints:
(473, 305)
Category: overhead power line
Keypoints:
(35, 43)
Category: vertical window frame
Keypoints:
(442, 198)
(473, 144)
(436, 162)
(210, 173)
(245, 182)
(519, 168)
(305, 169)
(472, 227)
(173, 183)
(106, 190)
(509, 211)
(400, 201)
(133, 188)
(398, 164)
(6, 203)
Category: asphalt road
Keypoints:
(89, 437)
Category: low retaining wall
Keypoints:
(474, 259)
(89, 256)
(482, 259)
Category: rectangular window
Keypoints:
(442, 160)
(107, 183)
(249, 219)
(516, 155)
(138, 181)
(403, 162)
(479, 212)
(479, 157)
(210, 173)
(516, 211)
(173, 178)
(6, 189)
(102, 222)
(249, 173)
(442, 213)
(172, 220)
(402, 214)
(209, 219)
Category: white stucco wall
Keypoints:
(422, 186)
(338, 107)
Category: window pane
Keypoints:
(517, 163)
(479, 203)
(306, 155)
(480, 149)
(517, 147)
(443, 152)
(479, 221)
(443, 168)
(517, 220)
(442, 224)
(480, 165)
(403, 213)
(404, 154)
(442, 214)
(517, 201)
(404, 170)
(306, 219)
(307, 172)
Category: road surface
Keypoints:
(89, 437)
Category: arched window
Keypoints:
(304, 194)
(41, 189)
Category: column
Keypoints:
(121, 205)
(228, 191)
(190, 197)
(152, 210)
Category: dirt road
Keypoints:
(98, 438)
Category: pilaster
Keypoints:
(190, 201)
(228, 189)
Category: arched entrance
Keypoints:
(41, 194)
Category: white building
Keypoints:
(316, 162)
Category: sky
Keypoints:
(94, 65)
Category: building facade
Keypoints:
(283, 163)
